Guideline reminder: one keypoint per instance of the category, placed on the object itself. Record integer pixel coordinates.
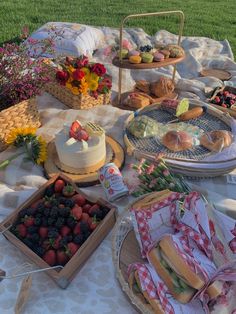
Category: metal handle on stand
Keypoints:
(181, 26)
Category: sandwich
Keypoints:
(152, 304)
(184, 274)
(157, 305)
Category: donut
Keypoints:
(217, 140)
(177, 141)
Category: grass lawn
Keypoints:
(215, 19)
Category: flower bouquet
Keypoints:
(80, 84)
(22, 77)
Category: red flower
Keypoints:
(99, 69)
(62, 76)
(82, 61)
(104, 85)
(78, 75)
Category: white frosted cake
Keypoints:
(81, 148)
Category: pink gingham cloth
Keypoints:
(155, 290)
(143, 216)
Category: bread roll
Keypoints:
(143, 86)
(163, 87)
(177, 141)
(216, 140)
(137, 100)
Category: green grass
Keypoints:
(213, 19)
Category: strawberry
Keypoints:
(59, 185)
(68, 190)
(93, 223)
(28, 221)
(72, 248)
(50, 257)
(77, 229)
(86, 208)
(75, 127)
(62, 257)
(64, 231)
(56, 242)
(85, 217)
(21, 230)
(76, 212)
(43, 232)
(79, 199)
(93, 209)
(36, 203)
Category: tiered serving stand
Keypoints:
(124, 64)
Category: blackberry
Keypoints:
(145, 48)
(28, 242)
(52, 233)
(64, 212)
(44, 222)
(99, 214)
(46, 212)
(62, 200)
(86, 235)
(69, 203)
(23, 213)
(78, 239)
(54, 212)
(71, 222)
(37, 221)
(49, 191)
(64, 241)
(60, 222)
(51, 221)
(69, 237)
(84, 226)
(35, 238)
(39, 250)
(32, 229)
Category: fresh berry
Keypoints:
(59, 185)
(86, 208)
(71, 222)
(56, 244)
(46, 212)
(62, 257)
(78, 239)
(225, 93)
(28, 221)
(51, 221)
(32, 229)
(44, 222)
(28, 242)
(64, 212)
(79, 199)
(76, 212)
(72, 248)
(43, 232)
(37, 221)
(224, 105)
(77, 229)
(86, 235)
(93, 223)
(82, 135)
(68, 190)
(85, 217)
(50, 257)
(34, 237)
(23, 213)
(54, 212)
(59, 222)
(232, 102)
(21, 230)
(39, 250)
(52, 233)
(75, 127)
(49, 191)
(64, 231)
(84, 226)
(217, 99)
(94, 210)
(69, 202)
(37, 203)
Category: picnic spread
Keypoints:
(118, 181)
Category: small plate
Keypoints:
(218, 73)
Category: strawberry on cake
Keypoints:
(81, 149)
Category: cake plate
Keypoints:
(52, 166)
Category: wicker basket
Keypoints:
(76, 101)
(20, 115)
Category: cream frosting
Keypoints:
(80, 154)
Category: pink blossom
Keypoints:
(126, 44)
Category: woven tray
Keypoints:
(76, 101)
(20, 115)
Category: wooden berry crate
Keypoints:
(63, 276)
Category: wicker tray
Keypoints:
(76, 101)
(20, 115)
(192, 159)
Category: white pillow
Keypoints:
(72, 39)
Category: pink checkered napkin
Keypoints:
(155, 291)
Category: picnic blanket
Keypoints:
(95, 288)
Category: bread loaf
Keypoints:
(216, 140)
(163, 87)
(177, 141)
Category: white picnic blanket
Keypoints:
(95, 289)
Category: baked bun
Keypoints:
(137, 100)
(163, 87)
(143, 86)
(216, 140)
(177, 141)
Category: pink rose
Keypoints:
(78, 75)
(99, 69)
(62, 76)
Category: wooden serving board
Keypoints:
(218, 73)
(125, 64)
(155, 100)
(88, 179)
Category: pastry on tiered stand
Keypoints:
(81, 149)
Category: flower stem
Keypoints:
(6, 162)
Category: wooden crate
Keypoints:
(64, 276)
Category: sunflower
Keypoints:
(18, 136)
(37, 150)
(93, 85)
